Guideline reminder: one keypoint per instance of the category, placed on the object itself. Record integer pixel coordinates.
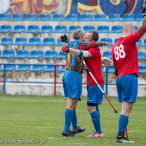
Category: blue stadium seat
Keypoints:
(142, 68)
(58, 17)
(48, 41)
(61, 56)
(99, 17)
(111, 69)
(38, 67)
(116, 40)
(139, 17)
(23, 67)
(19, 28)
(139, 43)
(141, 55)
(89, 28)
(144, 42)
(4, 17)
(50, 54)
(33, 29)
(116, 29)
(136, 28)
(10, 67)
(60, 43)
(17, 17)
(7, 41)
(108, 40)
(60, 29)
(46, 29)
(114, 17)
(103, 29)
(36, 54)
(50, 67)
(22, 54)
(31, 17)
(85, 17)
(128, 17)
(21, 41)
(72, 28)
(60, 68)
(107, 54)
(72, 17)
(1, 69)
(5, 28)
(8, 53)
(34, 41)
(44, 17)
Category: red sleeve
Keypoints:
(113, 57)
(94, 51)
(133, 38)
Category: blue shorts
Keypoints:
(72, 84)
(94, 94)
(127, 88)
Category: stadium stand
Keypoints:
(60, 43)
(21, 41)
(108, 40)
(21, 54)
(116, 40)
(107, 54)
(50, 54)
(48, 41)
(116, 29)
(139, 17)
(144, 42)
(34, 41)
(23, 67)
(44, 17)
(4, 17)
(7, 41)
(7, 53)
(46, 29)
(33, 29)
(103, 29)
(58, 17)
(19, 28)
(60, 68)
(60, 29)
(49, 67)
(36, 54)
(87, 28)
(139, 43)
(114, 17)
(141, 55)
(6, 28)
(99, 17)
(38, 67)
(85, 17)
(73, 28)
(10, 67)
(111, 69)
(31, 17)
(142, 68)
(60, 56)
(17, 17)
(128, 17)
(72, 17)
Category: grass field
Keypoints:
(36, 120)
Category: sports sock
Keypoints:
(96, 121)
(68, 119)
(123, 122)
(74, 120)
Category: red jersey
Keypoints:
(125, 57)
(95, 67)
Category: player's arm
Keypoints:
(141, 31)
(81, 53)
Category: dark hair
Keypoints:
(95, 35)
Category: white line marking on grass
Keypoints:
(80, 143)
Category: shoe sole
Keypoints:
(95, 136)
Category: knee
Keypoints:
(91, 109)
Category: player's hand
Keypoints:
(64, 49)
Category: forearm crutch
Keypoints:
(99, 86)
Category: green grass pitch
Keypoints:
(37, 120)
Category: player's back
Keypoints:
(124, 53)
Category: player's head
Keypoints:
(79, 34)
(92, 36)
(128, 29)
